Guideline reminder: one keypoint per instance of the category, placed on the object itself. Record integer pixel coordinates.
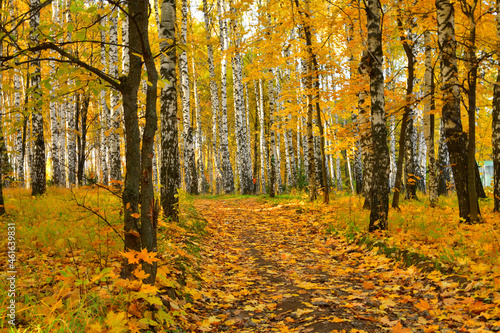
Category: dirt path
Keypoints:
(272, 269)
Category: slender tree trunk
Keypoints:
(455, 137)
(114, 138)
(190, 177)
(242, 135)
(82, 138)
(104, 111)
(227, 169)
(443, 163)
(263, 150)
(380, 190)
(3, 156)
(170, 163)
(406, 137)
(496, 127)
(214, 99)
(55, 130)
(70, 112)
(38, 182)
(429, 108)
(475, 214)
(202, 180)
(274, 184)
(366, 136)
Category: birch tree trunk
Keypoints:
(443, 163)
(2, 139)
(274, 175)
(55, 130)
(170, 163)
(429, 119)
(380, 191)
(264, 157)
(104, 111)
(38, 181)
(214, 99)
(202, 181)
(70, 114)
(114, 124)
(496, 127)
(455, 137)
(227, 170)
(190, 177)
(18, 137)
(365, 136)
(392, 157)
(244, 159)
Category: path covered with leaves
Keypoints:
(274, 269)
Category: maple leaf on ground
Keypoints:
(400, 329)
(140, 274)
(148, 257)
(131, 256)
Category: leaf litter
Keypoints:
(273, 269)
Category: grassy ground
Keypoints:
(68, 262)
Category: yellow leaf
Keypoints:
(135, 215)
(140, 274)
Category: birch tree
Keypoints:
(227, 170)
(214, 100)
(429, 118)
(455, 137)
(38, 173)
(496, 125)
(114, 120)
(190, 177)
(380, 191)
(170, 163)
(244, 159)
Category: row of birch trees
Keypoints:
(254, 97)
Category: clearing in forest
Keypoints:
(274, 269)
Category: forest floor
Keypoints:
(273, 268)
(251, 264)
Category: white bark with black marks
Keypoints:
(380, 185)
(227, 169)
(38, 173)
(190, 176)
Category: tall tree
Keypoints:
(170, 163)
(2, 139)
(190, 177)
(214, 100)
(114, 138)
(455, 137)
(38, 174)
(70, 109)
(496, 125)
(53, 111)
(242, 136)
(429, 117)
(227, 169)
(380, 190)
(472, 64)
(262, 137)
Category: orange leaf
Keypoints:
(400, 329)
(140, 274)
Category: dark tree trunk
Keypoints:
(82, 136)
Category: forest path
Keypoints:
(273, 269)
